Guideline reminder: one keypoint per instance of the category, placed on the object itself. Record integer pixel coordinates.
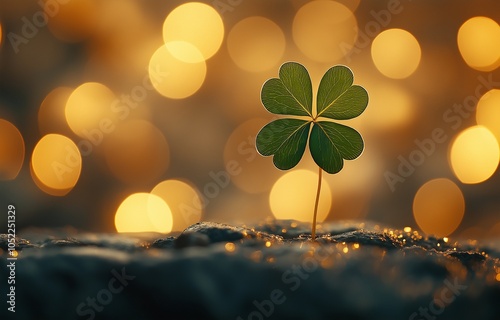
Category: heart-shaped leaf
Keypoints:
(331, 142)
(291, 94)
(286, 139)
(338, 98)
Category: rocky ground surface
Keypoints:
(269, 271)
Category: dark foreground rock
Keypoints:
(270, 271)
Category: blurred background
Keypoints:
(127, 115)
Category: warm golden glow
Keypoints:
(1, 34)
(11, 150)
(324, 31)
(488, 112)
(174, 78)
(388, 114)
(438, 207)
(136, 152)
(479, 43)
(352, 201)
(89, 109)
(230, 247)
(198, 24)
(184, 51)
(51, 115)
(249, 171)
(256, 44)
(396, 53)
(351, 4)
(474, 155)
(293, 196)
(56, 163)
(472, 233)
(143, 212)
(71, 20)
(46, 189)
(183, 200)
(124, 40)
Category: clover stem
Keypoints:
(313, 233)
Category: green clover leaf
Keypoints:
(286, 139)
(330, 143)
(291, 94)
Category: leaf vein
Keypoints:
(295, 98)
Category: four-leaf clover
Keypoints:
(329, 142)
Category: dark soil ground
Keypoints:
(269, 271)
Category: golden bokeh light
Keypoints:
(174, 78)
(184, 51)
(1, 34)
(47, 189)
(51, 114)
(89, 110)
(351, 4)
(396, 53)
(352, 200)
(249, 171)
(143, 212)
(196, 23)
(488, 112)
(388, 114)
(124, 39)
(294, 194)
(72, 20)
(136, 152)
(479, 43)
(474, 155)
(184, 202)
(56, 164)
(230, 247)
(325, 31)
(11, 150)
(438, 207)
(256, 44)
